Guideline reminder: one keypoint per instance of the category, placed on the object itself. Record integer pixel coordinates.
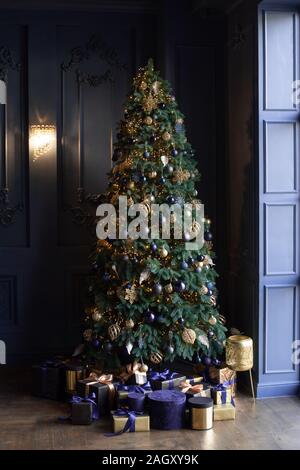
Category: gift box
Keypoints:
(223, 375)
(136, 401)
(193, 380)
(129, 421)
(103, 388)
(224, 412)
(82, 413)
(205, 392)
(83, 410)
(122, 392)
(132, 375)
(49, 379)
(167, 409)
(165, 380)
(221, 394)
(74, 372)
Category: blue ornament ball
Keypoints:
(208, 236)
(184, 265)
(146, 154)
(191, 260)
(108, 347)
(106, 277)
(179, 286)
(162, 180)
(149, 316)
(174, 152)
(153, 247)
(210, 285)
(200, 257)
(207, 360)
(170, 200)
(96, 343)
(157, 289)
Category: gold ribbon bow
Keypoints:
(105, 379)
(187, 387)
(129, 370)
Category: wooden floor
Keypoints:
(27, 423)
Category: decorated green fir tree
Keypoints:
(153, 297)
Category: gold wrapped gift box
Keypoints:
(224, 412)
(220, 375)
(222, 396)
(142, 423)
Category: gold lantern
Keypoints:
(239, 355)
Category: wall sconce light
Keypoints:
(42, 137)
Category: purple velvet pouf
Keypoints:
(167, 409)
(136, 401)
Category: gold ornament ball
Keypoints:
(143, 86)
(156, 357)
(148, 120)
(155, 87)
(152, 174)
(212, 321)
(169, 288)
(144, 368)
(96, 315)
(113, 331)
(87, 334)
(130, 185)
(188, 336)
(166, 136)
(163, 252)
(129, 323)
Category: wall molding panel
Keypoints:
(279, 200)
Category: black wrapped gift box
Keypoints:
(49, 380)
(82, 413)
(104, 397)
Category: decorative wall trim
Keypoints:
(266, 241)
(95, 47)
(288, 389)
(7, 212)
(265, 156)
(7, 62)
(265, 55)
(266, 350)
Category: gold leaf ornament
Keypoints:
(131, 294)
(188, 335)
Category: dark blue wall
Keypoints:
(62, 62)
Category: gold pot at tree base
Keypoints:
(239, 352)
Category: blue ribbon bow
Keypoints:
(165, 375)
(130, 423)
(135, 388)
(89, 399)
(223, 388)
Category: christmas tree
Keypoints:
(154, 298)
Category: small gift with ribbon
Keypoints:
(222, 374)
(103, 387)
(49, 379)
(165, 380)
(124, 420)
(123, 391)
(194, 380)
(84, 410)
(197, 390)
(222, 393)
(132, 375)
